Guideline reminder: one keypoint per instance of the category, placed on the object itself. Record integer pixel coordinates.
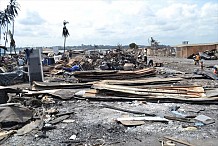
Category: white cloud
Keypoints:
(116, 21)
(32, 18)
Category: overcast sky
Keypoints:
(112, 22)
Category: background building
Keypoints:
(186, 50)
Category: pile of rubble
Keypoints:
(130, 59)
(207, 55)
(150, 96)
(11, 72)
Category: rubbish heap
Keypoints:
(104, 81)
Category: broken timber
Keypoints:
(103, 75)
(123, 90)
(54, 85)
(64, 94)
(182, 91)
(157, 119)
(147, 81)
(104, 95)
(129, 111)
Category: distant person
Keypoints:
(202, 64)
(215, 71)
(64, 58)
(70, 54)
(145, 59)
(150, 63)
(197, 59)
(20, 62)
(27, 55)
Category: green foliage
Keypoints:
(65, 32)
(133, 45)
(119, 46)
(9, 13)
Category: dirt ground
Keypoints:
(96, 125)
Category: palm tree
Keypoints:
(13, 11)
(12, 42)
(4, 21)
(4, 18)
(65, 33)
(1, 13)
(7, 16)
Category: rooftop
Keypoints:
(190, 45)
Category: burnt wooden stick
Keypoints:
(178, 119)
(178, 141)
(129, 111)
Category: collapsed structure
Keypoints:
(126, 77)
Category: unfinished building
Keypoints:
(186, 50)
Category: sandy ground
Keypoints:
(96, 125)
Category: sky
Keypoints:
(110, 22)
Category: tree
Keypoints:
(133, 46)
(4, 18)
(95, 47)
(154, 43)
(12, 42)
(13, 11)
(119, 46)
(65, 33)
(7, 16)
